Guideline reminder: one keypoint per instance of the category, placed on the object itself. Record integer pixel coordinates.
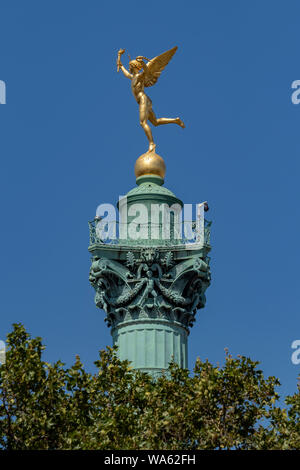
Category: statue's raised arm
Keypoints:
(142, 75)
(121, 66)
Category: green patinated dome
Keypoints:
(149, 189)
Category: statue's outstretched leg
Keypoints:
(161, 121)
(144, 112)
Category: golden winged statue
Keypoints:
(143, 75)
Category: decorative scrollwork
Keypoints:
(150, 283)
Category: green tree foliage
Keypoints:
(44, 406)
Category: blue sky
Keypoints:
(70, 137)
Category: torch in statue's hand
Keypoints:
(121, 51)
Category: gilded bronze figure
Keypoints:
(143, 75)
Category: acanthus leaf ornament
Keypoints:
(152, 283)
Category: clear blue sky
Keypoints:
(70, 137)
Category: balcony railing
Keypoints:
(187, 233)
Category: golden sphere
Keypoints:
(150, 164)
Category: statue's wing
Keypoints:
(156, 66)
